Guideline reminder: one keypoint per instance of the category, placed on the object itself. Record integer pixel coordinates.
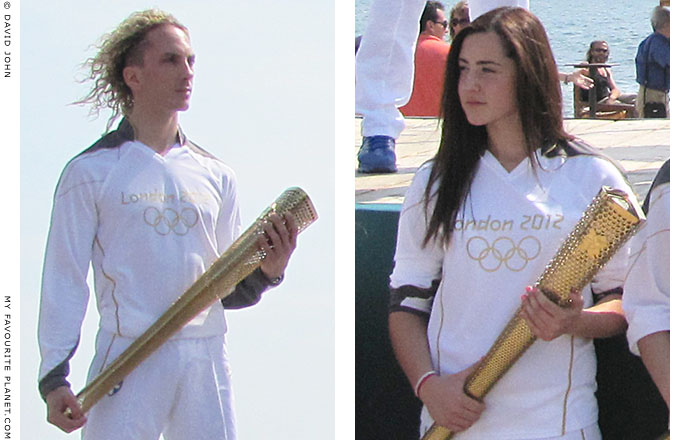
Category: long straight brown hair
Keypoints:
(462, 144)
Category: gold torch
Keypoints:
(241, 259)
(607, 223)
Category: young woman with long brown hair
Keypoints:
(480, 222)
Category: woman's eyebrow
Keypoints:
(480, 62)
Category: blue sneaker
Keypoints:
(377, 155)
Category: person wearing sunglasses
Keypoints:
(604, 85)
(459, 18)
(384, 70)
(429, 63)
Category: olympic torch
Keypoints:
(608, 222)
(243, 257)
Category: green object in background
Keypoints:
(385, 406)
(630, 408)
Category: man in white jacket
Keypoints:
(150, 211)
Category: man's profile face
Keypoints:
(437, 27)
(165, 77)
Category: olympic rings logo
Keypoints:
(503, 251)
(169, 220)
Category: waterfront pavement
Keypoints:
(640, 146)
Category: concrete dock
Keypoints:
(640, 146)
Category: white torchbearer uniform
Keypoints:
(647, 288)
(511, 226)
(149, 225)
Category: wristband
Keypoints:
(565, 81)
(423, 379)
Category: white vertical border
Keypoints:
(9, 179)
(680, 234)
(343, 84)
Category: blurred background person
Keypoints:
(604, 85)
(459, 18)
(384, 69)
(653, 65)
(384, 73)
(429, 63)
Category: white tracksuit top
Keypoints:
(647, 300)
(149, 225)
(514, 222)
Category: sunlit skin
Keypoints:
(487, 81)
(59, 402)
(163, 82)
(448, 407)
(487, 93)
(161, 86)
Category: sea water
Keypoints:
(572, 25)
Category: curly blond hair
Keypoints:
(116, 50)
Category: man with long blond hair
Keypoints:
(150, 211)
(122, 47)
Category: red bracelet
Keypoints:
(423, 379)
